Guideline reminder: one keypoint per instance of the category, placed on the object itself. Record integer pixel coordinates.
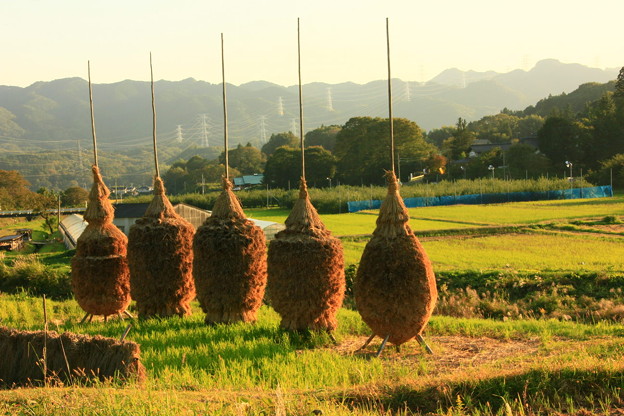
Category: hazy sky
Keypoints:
(342, 40)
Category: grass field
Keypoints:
(505, 367)
(258, 369)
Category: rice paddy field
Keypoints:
(520, 364)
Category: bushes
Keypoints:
(28, 274)
(334, 200)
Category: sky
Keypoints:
(341, 40)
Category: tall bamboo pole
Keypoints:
(390, 98)
(225, 117)
(154, 119)
(300, 103)
(95, 157)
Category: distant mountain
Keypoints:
(189, 112)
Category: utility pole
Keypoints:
(330, 103)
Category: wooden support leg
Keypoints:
(398, 348)
(85, 318)
(128, 314)
(383, 345)
(90, 318)
(333, 338)
(105, 318)
(368, 341)
(424, 344)
(120, 316)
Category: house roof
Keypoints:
(125, 210)
(256, 179)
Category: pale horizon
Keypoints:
(341, 41)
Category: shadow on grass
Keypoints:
(534, 390)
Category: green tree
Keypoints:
(279, 140)
(363, 149)
(74, 196)
(457, 146)
(324, 136)
(619, 84)
(523, 159)
(438, 136)
(562, 139)
(45, 205)
(246, 159)
(612, 166)
(14, 192)
(499, 128)
(283, 168)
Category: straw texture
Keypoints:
(229, 264)
(100, 277)
(160, 256)
(306, 270)
(395, 288)
(88, 358)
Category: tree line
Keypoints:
(581, 130)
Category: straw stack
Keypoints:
(229, 263)
(69, 358)
(100, 277)
(395, 288)
(306, 270)
(160, 256)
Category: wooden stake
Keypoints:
(300, 103)
(95, 157)
(128, 314)
(85, 318)
(383, 345)
(225, 115)
(45, 343)
(368, 341)
(154, 119)
(424, 344)
(125, 334)
(390, 98)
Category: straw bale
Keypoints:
(395, 287)
(100, 276)
(229, 263)
(306, 270)
(160, 257)
(88, 358)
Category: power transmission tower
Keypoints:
(293, 125)
(407, 91)
(179, 137)
(204, 130)
(330, 103)
(263, 133)
(280, 106)
(80, 155)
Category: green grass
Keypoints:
(523, 212)
(259, 369)
(522, 251)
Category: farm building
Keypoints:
(71, 227)
(127, 214)
(12, 242)
(248, 181)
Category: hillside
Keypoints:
(58, 110)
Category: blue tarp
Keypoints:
(474, 199)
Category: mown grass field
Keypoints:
(505, 366)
